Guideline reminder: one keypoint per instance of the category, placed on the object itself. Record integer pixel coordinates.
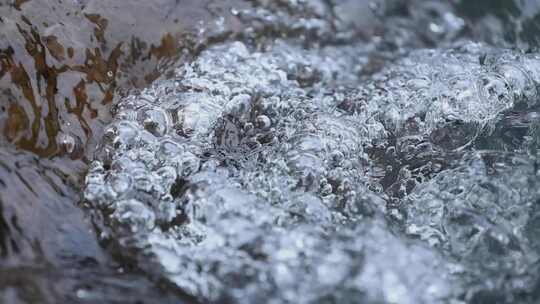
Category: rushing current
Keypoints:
(311, 151)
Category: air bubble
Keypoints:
(155, 121)
(263, 122)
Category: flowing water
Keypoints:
(252, 151)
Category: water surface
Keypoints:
(258, 151)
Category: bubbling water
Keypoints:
(307, 163)
(273, 176)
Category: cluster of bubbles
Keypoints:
(485, 212)
(280, 173)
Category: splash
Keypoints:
(285, 176)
